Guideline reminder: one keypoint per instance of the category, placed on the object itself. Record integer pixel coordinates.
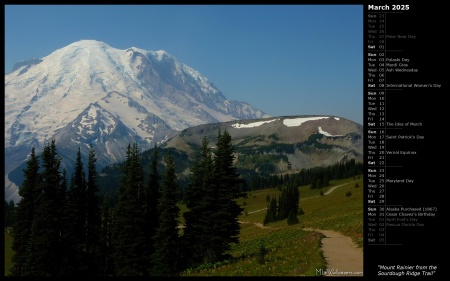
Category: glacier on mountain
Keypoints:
(91, 93)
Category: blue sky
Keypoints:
(283, 59)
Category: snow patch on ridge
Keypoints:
(298, 121)
(327, 134)
(251, 125)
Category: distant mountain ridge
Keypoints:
(263, 147)
(278, 145)
(90, 93)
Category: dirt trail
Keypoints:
(260, 225)
(343, 257)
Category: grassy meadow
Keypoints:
(278, 249)
(291, 250)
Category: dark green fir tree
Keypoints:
(165, 259)
(24, 214)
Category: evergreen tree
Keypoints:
(271, 214)
(106, 262)
(288, 203)
(93, 216)
(152, 195)
(226, 227)
(211, 224)
(25, 210)
(9, 213)
(326, 181)
(294, 198)
(283, 204)
(318, 177)
(200, 201)
(165, 258)
(261, 257)
(75, 224)
(292, 218)
(129, 233)
(45, 249)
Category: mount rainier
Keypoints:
(91, 93)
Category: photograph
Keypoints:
(184, 140)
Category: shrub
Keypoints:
(261, 258)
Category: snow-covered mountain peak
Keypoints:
(89, 92)
(161, 54)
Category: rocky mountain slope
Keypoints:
(280, 144)
(90, 93)
(263, 147)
